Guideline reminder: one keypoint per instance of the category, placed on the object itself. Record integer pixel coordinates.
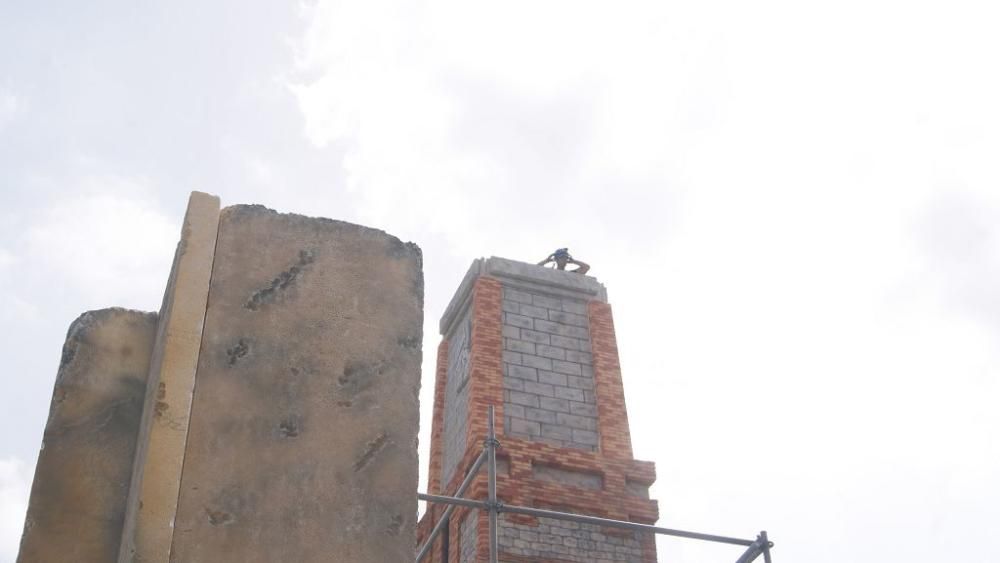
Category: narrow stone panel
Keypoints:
(159, 456)
(302, 441)
(77, 505)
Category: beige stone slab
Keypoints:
(156, 477)
(302, 444)
(77, 503)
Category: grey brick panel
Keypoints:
(566, 541)
(467, 541)
(547, 366)
(533, 336)
(522, 372)
(581, 479)
(456, 399)
(553, 378)
(551, 352)
(537, 362)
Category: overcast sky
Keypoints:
(795, 207)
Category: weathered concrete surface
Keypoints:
(77, 503)
(156, 478)
(302, 443)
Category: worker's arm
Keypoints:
(582, 267)
(547, 260)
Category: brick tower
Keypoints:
(538, 344)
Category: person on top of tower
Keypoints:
(562, 257)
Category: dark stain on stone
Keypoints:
(126, 351)
(280, 283)
(68, 353)
(116, 416)
(418, 278)
(359, 375)
(409, 342)
(289, 428)
(75, 333)
(237, 352)
(345, 404)
(371, 450)
(302, 371)
(59, 395)
(399, 249)
(218, 517)
(185, 237)
(160, 409)
(394, 525)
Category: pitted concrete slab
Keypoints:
(302, 443)
(77, 503)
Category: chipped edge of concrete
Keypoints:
(83, 321)
(399, 248)
(264, 210)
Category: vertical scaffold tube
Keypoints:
(491, 460)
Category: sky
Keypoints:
(795, 207)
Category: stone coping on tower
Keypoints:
(521, 275)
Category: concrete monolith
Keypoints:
(302, 439)
(77, 503)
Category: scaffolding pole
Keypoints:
(584, 519)
(441, 523)
(491, 472)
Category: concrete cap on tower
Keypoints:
(522, 275)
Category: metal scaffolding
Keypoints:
(754, 548)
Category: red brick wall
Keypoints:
(437, 423)
(615, 439)
(486, 383)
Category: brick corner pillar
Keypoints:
(540, 346)
(616, 440)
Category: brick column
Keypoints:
(437, 424)
(486, 383)
(615, 439)
(542, 350)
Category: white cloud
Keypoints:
(746, 178)
(13, 307)
(15, 484)
(10, 106)
(456, 127)
(959, 238)
(793, 206)
(108, 240)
